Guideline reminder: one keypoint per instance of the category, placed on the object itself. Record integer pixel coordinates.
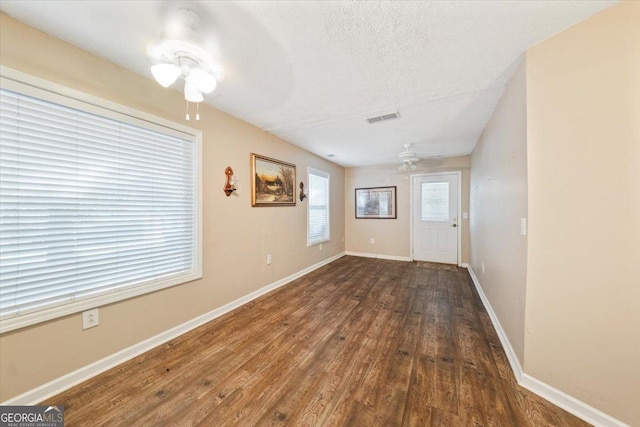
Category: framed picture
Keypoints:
(376, 202)
(272, 182)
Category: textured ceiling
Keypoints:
(311, 72)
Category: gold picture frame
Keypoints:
(272, 182)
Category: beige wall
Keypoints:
(236, 237)
(583, 276)
(498, 202)
(392, 236)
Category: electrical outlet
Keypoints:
(90, 319)
(372, 241)
(483, 267)
(268, 259)
(320, 246)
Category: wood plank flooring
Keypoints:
(359, 342)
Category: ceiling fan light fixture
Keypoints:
(205, 82)
(191, 92)
(166, 74)
(408, 155)
(179, 56)
(408, 159)
(407, 166)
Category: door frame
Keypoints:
(459, 213)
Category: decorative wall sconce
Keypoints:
(302, 195)
(229, 186)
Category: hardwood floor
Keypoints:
(359, 342)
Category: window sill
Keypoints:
(32, 318)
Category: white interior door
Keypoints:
(435, 218)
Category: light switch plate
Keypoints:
(523, 226)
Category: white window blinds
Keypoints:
(89, 206)
(318, 208)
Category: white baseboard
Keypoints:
(504, 340)
(379, 256)
(40, 393)
(559, 398)
(569, 403)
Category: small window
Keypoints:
(435, 201)
(96, 206)
(318, 207)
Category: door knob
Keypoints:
(454, 225)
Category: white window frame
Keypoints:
(39, 88)
(326, 175)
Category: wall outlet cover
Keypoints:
(90, 318)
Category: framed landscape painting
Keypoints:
(376, 202)
(272, 182)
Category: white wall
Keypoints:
(583, 275)
(498, 201)
(571, 311)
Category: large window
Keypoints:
(95, 205)
(318, 208)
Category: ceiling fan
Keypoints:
(180, 56)
(409, 158)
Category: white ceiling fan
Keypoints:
(179, 55)
(409, 158)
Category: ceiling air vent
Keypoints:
(383, 118)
